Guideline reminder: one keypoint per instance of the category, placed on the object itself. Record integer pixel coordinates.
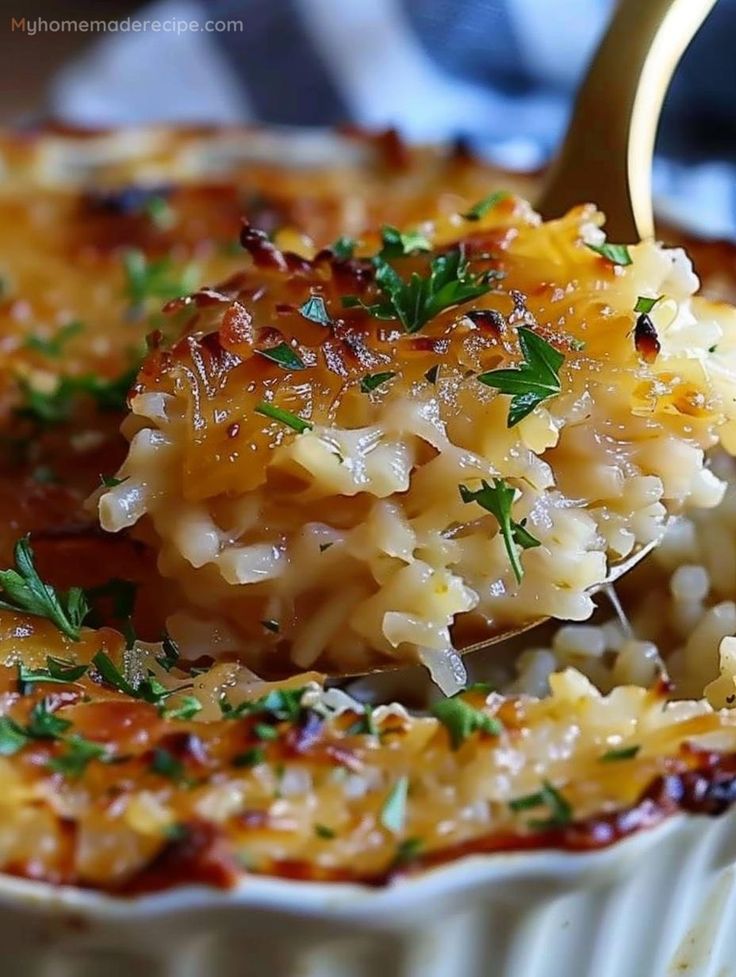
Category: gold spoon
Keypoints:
(606, 156)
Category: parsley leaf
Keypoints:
(344, 248)
(63, 670)
(112, 675)
(432, 373)
(171, 653)
(315, 310)
(187, 708)
(617, 254)
(284, 356)
(249, 758)
(415, 302)
(395, 244)
(625, 753)
(296, 423)
(166, 764)
(43, 724)
(372, 380)
(80, 752)
(53, 346)
(24, 590)
(58, 405)
(534, 380)
(559, 808)
(462, 720)
(483, 206)
(393, 811)
(12, 736)
(146, 279)
(322, 831)
(111, 481)
(498, 499)
(644, 304)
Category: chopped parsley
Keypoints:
(56, 406)
(373, 380)
(284, 356)
(265, 732)
(166, 764)
(147, 279)
(160, 212)
(52, 346)
(170, 653)
(315, 310)
(249, 758)
(23, 589)
(78, 755)
(395, 244)
(644, 304)
(462, 720)
(432, 373)
(149, 689)
(43, 724)
(187, 708)
(393, 811)
(407, 851)
(278, 704)
(322, 831)
(296, 423)
(63, 670)
(12, 736)
(624, 753)
(365, 725)
(617, 254)
(344, 248)
(559, 808)
(533, 381)
(414, 302)
(498, 500)
(483, 206)
(111, 481)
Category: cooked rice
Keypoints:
(352, 536)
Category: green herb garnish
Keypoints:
(483, 206)
(58, 405)
(625, 753)
(322, 831)
(407, 851)
(12, 736)
(111, 674)
(559, 808)
(170, 653)
(272, 626)
(462, 720)
(80, 752)
(187, 709)
(263, 731)
(249, 758)
(533, 381)
(111, 481)
(365, 724)
(644, 304)
(618, 254)
(284, 356)
(24, 590)
(53, 346)
(415, 302)
(432, 373)
(146, 279)
(373, 380)
(43, 724)
(63, 670)
(315, 310)
(498, 500)
(166, 764)
(160, 212)
(395, 244)
(344, 248)
(393, 812)
(296, 423)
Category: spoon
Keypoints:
(606, 156)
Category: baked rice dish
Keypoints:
(381, 426)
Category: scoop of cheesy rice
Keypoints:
(378, 451)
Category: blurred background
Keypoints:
(500, 73)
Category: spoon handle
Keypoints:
(606, 157)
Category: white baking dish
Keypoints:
(659, 904)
